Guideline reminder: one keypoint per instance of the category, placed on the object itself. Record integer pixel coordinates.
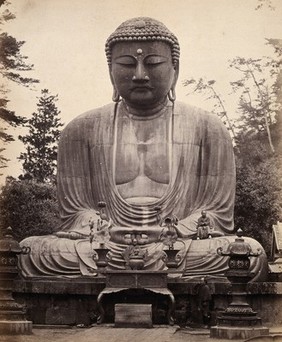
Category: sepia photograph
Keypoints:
(140, 170)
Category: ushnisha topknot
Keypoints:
(143, 29)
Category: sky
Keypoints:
(65, 41)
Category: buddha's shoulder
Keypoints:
(104, 113)
(197, 116)
(192, 112)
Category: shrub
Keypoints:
(258, 198)
(29, 207)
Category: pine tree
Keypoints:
(39, 160)
(13, 66)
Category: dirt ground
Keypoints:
(111, 334)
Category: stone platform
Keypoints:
(73, 301)
(15, 327)
(232, 333)
(110, 334)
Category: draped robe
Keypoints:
(202, 178)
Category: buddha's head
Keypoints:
(143, 58)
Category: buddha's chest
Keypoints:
(142, 151)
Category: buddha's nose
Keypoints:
(140, 73)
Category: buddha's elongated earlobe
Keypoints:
(115, 97)
(171, 94)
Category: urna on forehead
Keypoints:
(143, 29)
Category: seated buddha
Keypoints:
(146, 156)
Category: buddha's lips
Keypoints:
(141, 87)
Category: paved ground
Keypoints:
(111, 334)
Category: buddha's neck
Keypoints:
(145, 113)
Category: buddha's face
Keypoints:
(142, 72)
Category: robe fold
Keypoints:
(203, 173)
(202, 178)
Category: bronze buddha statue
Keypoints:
(143, 151)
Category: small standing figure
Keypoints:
(102, 212)
(204, 303)
(104, 223)
(169, 235)
(203, 226)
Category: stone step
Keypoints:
(133, 316)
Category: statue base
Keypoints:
(16, 327)
(73, 301)
(231, 333)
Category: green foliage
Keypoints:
(29, 207)
(258, 196)
(13, 67)
(258, 145)
(13, 61)
(40, 160)
(208, 89)
(257, 94)
(265, 3)
(257, 139)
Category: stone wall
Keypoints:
(74, 301)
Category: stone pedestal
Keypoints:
(243, 333)
(239, 320)
(12, 314)
(15, 327)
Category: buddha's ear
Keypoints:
(111, 76)
(116, 96)
(176, 73)
(171, 94)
